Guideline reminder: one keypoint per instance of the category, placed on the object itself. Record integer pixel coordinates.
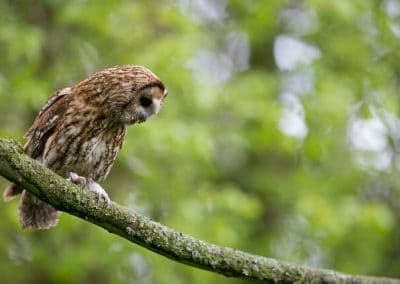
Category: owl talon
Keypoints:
(77, 179)
(91, 185)
(98, 190)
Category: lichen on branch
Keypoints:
(65, 196)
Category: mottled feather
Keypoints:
(81, 129)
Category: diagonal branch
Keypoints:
(48, 186)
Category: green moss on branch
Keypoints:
(22, 170)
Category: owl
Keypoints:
(80, 130)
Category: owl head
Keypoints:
(126, 94)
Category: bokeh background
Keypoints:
(280, 135)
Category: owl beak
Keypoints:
(157, 103)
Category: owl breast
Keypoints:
(96, 154)
(90, 151)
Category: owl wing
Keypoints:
(50, 116)
(44, 125)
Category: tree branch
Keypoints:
(65, 196)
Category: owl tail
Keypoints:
(11, 192)
(33, 213)
(36, 214)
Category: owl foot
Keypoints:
(91, 185)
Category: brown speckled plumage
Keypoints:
(81, 130)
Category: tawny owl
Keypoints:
(80, 130)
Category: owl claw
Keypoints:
(98, 190)
(77, 179)
(91, 185)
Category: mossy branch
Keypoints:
(65, 196)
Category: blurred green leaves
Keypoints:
(218, 162)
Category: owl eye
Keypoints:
(145, 102)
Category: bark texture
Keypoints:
(65, 196)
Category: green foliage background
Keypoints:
(220, 162)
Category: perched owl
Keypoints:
(80, 130)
